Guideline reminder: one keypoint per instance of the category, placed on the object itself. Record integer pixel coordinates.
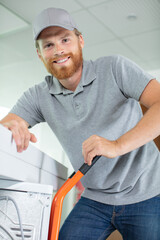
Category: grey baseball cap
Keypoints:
(53, 17)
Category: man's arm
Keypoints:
(147, 129)
(156, 140)
(19, 128)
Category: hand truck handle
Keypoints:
(85, 167)
(57, 202)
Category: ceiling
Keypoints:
(127, 27)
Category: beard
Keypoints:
(65, 72)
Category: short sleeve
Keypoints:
(27, 107)
(130, 78)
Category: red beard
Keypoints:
(65, 72)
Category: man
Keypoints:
(93, 108)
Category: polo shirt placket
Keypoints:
(76, 98)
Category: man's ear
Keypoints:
(39, 54)
(81, 40)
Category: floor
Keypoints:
(115, 236)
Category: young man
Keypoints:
(93, 108)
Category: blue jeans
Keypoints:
(91, 220)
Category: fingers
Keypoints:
(90, 149)
(33, 138)
(98, 146)
(20, 134)
(90, 157)
(17, 138)
(26, 138)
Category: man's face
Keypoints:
(61, 51)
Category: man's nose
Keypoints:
(58, 50)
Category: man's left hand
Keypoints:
(96, 145)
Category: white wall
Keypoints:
(155, 73)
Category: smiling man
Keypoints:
(93, 108)
(61, 52)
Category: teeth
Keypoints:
(63, 60)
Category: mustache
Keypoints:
(59, 57)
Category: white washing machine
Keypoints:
(28, 182)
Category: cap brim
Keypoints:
(53, 25)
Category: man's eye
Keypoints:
(65, 40)
(48, 45)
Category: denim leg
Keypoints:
(139, 221)
(89, 220)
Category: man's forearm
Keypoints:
(146, 130)
(11, 116)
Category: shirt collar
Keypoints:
(88, 75)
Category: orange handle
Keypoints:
(57, 203)
(56, 209)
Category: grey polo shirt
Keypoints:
(104, 103)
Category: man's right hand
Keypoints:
(19, 129)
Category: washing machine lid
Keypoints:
(7, 184)
(31, 165)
